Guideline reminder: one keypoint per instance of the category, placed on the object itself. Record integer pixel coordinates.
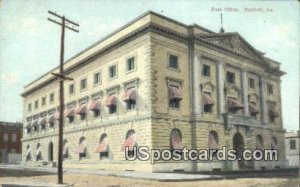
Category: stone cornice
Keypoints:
(151, 27)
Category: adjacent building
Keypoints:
(159, 83)
(292, 150)
(10, 141)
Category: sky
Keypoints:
(29, 44)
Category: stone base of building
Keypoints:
(159, 167)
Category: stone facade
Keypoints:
(181, 82)
(292, 148)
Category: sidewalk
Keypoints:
(167, 177)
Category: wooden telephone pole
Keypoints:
(64, 24)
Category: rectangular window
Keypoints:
(206, 70)
(173, 62)
(51, 97)
(270, 89)
(43, 101)
(251, 83)
(14, 137)
(5, 137)
(207, 106)
(97, 78)
(83, 84)
(83, 116)
(174, 102)
(130, 64)
(292, 144)
(70, 119)
(112, 71)
(96, 113)
(112, 109)
(36, 104)
(29, 107)
(230, 77)
(71, 89)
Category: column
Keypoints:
(220, 89)
(197, 104)
(263, 106)
(244, 92)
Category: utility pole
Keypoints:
(64, 24)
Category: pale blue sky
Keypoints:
(29, 44)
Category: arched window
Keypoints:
(65, 149)
(213, 142)
(82, 148)
(103, 148)
(274, 143)
(259, 142)
(130, 142)
(38, 152)
(176, 140)
(28, 153)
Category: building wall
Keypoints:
(153, 119)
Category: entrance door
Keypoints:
(238, 145)
(50, 152)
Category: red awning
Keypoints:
(207, 100)
(129, 95)
(176, 141)
(81, 148)
(129, 142)
(212, 142)
(102, 147)
(234, 104)
(69, 112)
(81, 109)
(273, 113)
(95, 105)
(174, 93)
(111, 100)
(253, 109)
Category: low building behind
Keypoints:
(292, 148)
(10, 142)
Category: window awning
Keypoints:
(82, 109)
(51, 119)
(234, 104)
(176, 141)
(103, 146)
(81, 148)
(207, 100)
(129, 142)
(42, 121)
(34, 123)
(69, 112)
(95, 105)
(273, 113)
(28, 124)
(253, 109)
(129, 95)
(111, 100)
(212, 142)
(174, 93)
